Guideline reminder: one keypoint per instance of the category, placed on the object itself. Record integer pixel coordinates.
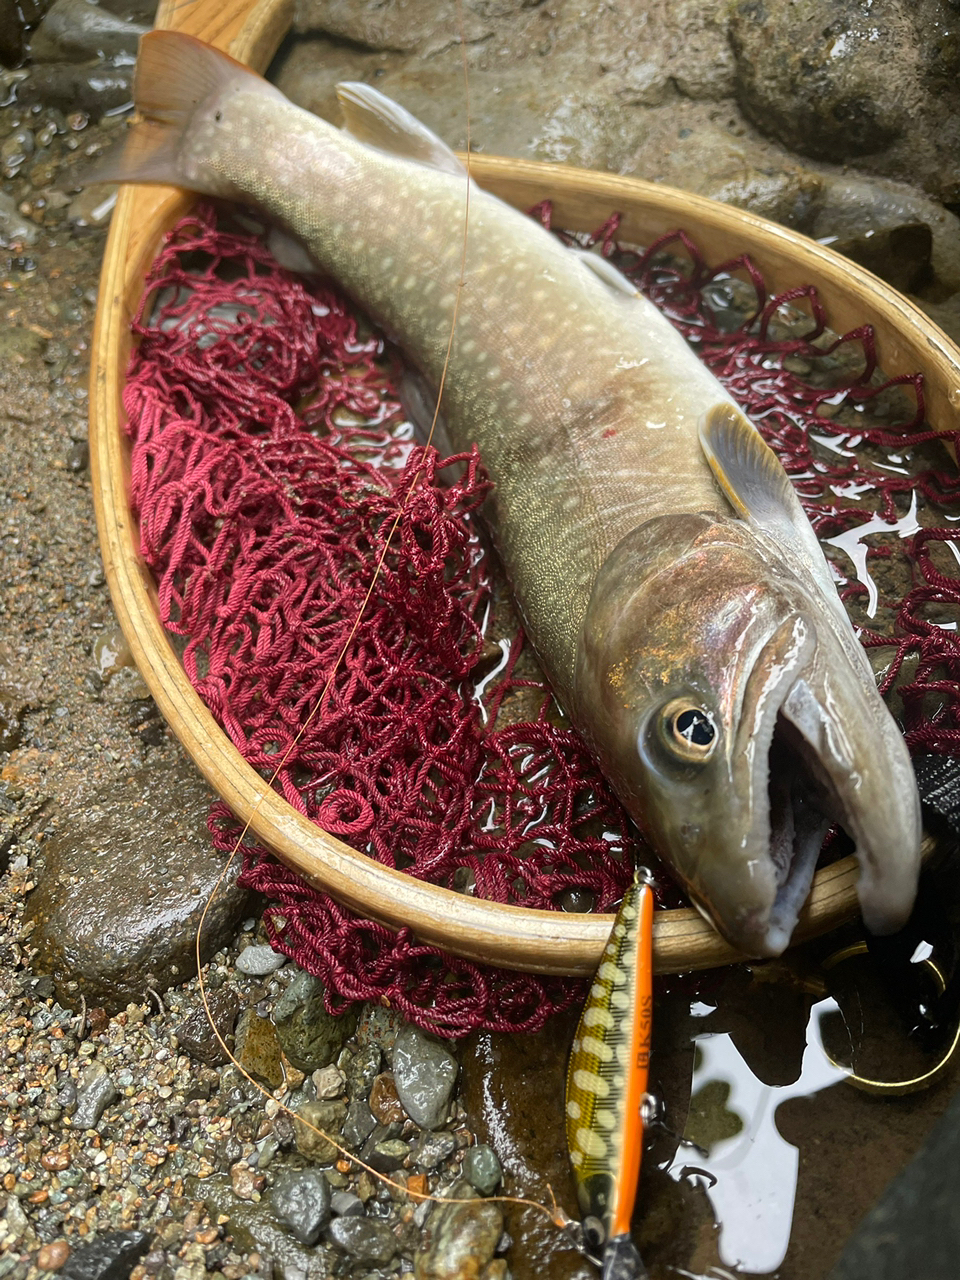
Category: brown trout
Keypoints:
(665, 571)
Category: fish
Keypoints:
(666, 574)
(606, 1092)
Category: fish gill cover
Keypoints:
(270, 459)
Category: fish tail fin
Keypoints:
(177, 74)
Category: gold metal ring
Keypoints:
(893, 1088)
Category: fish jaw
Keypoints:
(696, 611)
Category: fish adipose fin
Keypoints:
(176, 74)
(378, 121)
(753, 481)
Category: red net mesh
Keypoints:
(271, 462)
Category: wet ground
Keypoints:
(765, 1159)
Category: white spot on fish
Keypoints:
(619, 1000)
(605, 1119)
(610, 973)
(576, 1159)
(573, 1109)
(655, 426)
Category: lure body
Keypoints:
(607, 1084)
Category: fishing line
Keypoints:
(556, 1214)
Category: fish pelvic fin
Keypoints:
(176, 74)
(373, 118)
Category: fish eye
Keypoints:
(687, 731)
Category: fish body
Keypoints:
(666, 574)
(607, 1084)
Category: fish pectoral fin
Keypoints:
(373, 118)
(607, 272)
(755, 484)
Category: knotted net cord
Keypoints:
(270, 456)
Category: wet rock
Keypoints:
(119, 898)
(96, 1092)
(914, 1229)
(481, 1168)
(858, 208)
(362, 1069)
(258, 1049)
(363, 1239)
(346, 1205)
(424, 1075)
(17, 17)
(358, 1125)
(258, 961)
(91, 87)
(108, 1257)
(329, 1081)
(76, 30)
(431, 1149)
(309, 1035)
(384, 1103)
(899, 255)
(14, 227)
(460, 1239)
(328, 1118)
(817, 76)
(378, 1027)
(93, 206)
(246, 1182)
(52, 1256)
(387, 1156)
(301, 1200)
(253, 1226)
(196, 1036)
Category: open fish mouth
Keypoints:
(803, 805)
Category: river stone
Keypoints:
(424, 1073)
(309, 1035)
(358, 1125)
(363, 1239)
(75, 30)
(120, 893)
(460, 1239)
(96, 1092)
(325, 1116)
(363, 1068)
(108, 1257)
(431, 1149)
(89, 86)
(816, 74)
(378, 1027)
(254, 1227)
(301, 1200)
(914, 1228)
(481, 1168)
(15, 227)
(195, 1034)
(258, 1049)
(259, 961)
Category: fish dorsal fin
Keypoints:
(373, 118)
(755, 484)
(607, 272)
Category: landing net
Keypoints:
(270, 457)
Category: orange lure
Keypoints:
(607, 1085)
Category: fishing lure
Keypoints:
(607, 1086)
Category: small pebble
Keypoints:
(363, 1239)
(482, 1170)
(346, 1205)
(52, 1256)
(431, 1149)
(384, 1102)
(97, 1091)
(258, 961)
(302, 1200)
(329, 1081)
(424, 1073)
(246, 1183)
